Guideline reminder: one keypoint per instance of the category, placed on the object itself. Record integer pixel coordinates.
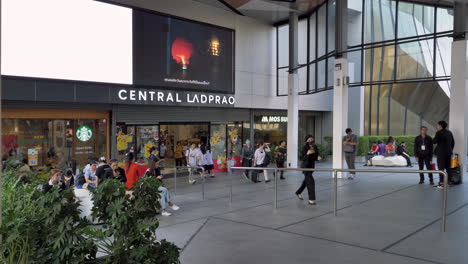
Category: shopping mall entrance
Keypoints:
(174, 140)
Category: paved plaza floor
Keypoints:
(382, 218)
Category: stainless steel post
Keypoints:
(230, 177)
(276, 189)
(175, 180)
(335, 193)
(444, 205)
(203, 184)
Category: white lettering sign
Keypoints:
(175, 97)
(274, 119)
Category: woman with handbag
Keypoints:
(280, 153)
(261, 159)
(310, 155)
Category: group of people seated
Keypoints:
(96, 171)
(388, 150)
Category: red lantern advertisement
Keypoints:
(181, 51)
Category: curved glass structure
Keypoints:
(398, 51)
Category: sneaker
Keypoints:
(421, 182)
(175, 207)
(267, 181)
(440, 187)
(350, 177)
(245, 176)
(192, 181)
(212, 175)
(431, 183)
(166, 213)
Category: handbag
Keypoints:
(433, 166)
(454, 161)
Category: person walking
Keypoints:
(208, 158)
(194, 159)
(260, 160)
(247, 155)
(310, 154)
(423, 149)
(350, 142)
(281, 153)
(444, 150)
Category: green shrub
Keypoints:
(366, 142)
(40, 227)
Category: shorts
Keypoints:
(208, 167)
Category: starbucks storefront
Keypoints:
(51, 137)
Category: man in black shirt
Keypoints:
(102, 172)
(444, 150)
(423, 150)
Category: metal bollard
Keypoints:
(444, 205)
(276, 189)
(175, 180)
(203, 186)
(335, 193)
(230, 177)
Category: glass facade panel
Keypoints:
(302, 73)
(415, 59)
(312, 36)
(380, 64)
(444, 19)
(322, 34)
(331, 25)
(443, 56)
(415, 20)
(302, 41)
(331, 71)
(312, 85)
(354, 66)
(283, 46)
(321, 75)
(354, 22)
(218, 146)
(379, 20)
(403, 108)
(283, 81)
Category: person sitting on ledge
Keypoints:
(390, 148)
(401, 150)
(374, 151)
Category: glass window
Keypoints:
(312, 86)
(270, 129)
(415, 59)
(322, 24)
(302, 41)
(148, 137)
(354, 22)
(444, 19)
(235, 143)
(443, 56)
(302, 74)
(283, 81)
(354, 66)
(379, 20)
(321, 75)
(414, 19)
(218, 146)
(383, 94)
(53, 143)
(379, 63)
(312, 34)
(331, 71)
(283, 46)
(331, 25)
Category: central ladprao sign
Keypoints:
(144, 96)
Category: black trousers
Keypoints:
(308, 182)
(246, 163)
(425, 161)
(281, 165)
(407, 158)
(443, 163)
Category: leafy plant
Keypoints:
(44, 228)
(128, 234)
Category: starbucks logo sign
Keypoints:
(84, 133)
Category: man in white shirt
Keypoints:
(194, 159)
